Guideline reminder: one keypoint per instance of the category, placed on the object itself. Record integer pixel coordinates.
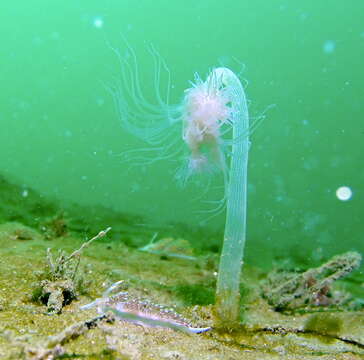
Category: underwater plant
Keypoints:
(59, 284)
(291, 290)
(211, 110)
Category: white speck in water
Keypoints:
(98, 22)
(55, 35)
(303, 16)
(100, 101)
(329, 46)
(135, 187)
(68, 133)
(344, 193)
(25, 193)
(37, 41)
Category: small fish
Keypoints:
(170, 247)
(142, 312)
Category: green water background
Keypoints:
(60, 131)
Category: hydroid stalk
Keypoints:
(231, 260)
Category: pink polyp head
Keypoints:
(205, 111)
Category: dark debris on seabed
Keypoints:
(51, 267)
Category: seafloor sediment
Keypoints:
(29, 330)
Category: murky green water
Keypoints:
(71, 166)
